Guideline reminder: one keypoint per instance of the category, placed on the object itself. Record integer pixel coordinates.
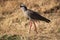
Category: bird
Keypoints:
(32, 16)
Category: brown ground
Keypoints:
(12, 20)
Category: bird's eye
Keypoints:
(21, 6)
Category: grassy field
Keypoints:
(14, 26)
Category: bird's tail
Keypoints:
(47, 20)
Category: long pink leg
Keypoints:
(35, 27)
(30, 26)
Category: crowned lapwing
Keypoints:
(32, 16)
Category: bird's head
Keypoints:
(23, 7)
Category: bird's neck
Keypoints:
(24, 8)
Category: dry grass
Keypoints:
(13, 22)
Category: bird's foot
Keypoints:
(36, 31)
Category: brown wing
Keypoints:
(36, 16)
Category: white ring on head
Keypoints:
(22, 5)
